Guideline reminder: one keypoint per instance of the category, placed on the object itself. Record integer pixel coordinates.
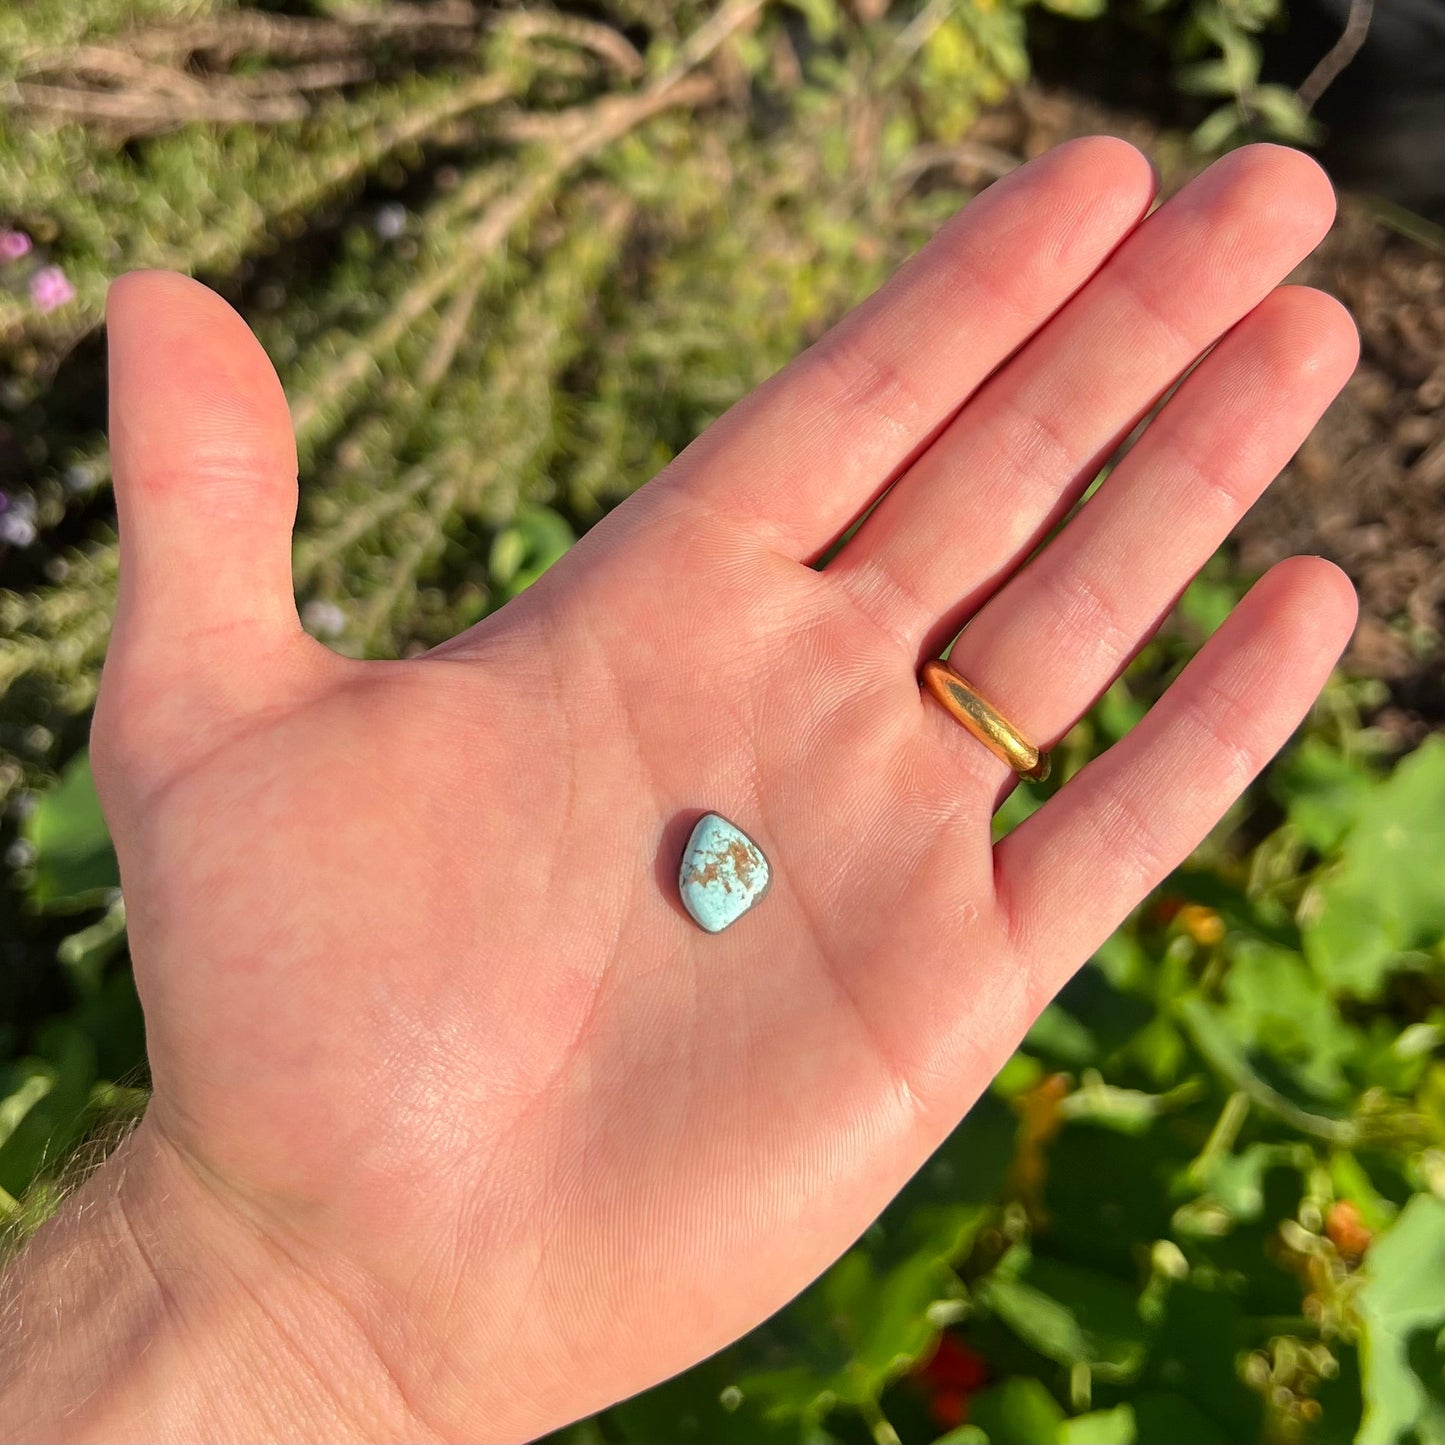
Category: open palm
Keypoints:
(429, 1027)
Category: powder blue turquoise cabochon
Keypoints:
(724, 873)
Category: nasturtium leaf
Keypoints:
(963, 1435)
(1106, 1191)
(1072, 1315)
(1020, 1411)
(1160, 1415)
(1321, 790)
(1401, 1305)
(1382, 898)
(1123, 962)
(1108, 1016)
(1192, 1391)
(74, 863)
(1236, 1181)
(1118, 711)
(1100, 1427)
(1210, 597)
(893, 1326)
(1276, 1004)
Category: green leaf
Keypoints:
(895, 1329)
(1401, 1306)
(1160, 1416)
(1078, 9)
(821, 16)
(1105, 1191)
(1100, 1427)
(43, 1103)
(1193, 1394)
(1020, 1411)
(1209, 599)
(1236, 1182)
(1280, 109)
(1215, 132)
(1058, 1035)
(1276, 1004)
(1321, 790)
(1383, 899)
(522, 552)
(75, 864)
(710, 1404)
(1072, 1315)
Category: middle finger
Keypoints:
(971, 509)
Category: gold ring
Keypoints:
(960, 698)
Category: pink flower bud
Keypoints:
(50, 287)
(13, 245)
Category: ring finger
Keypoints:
(1058, 633)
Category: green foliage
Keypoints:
(1401, 1313)
(1382, 899)
(73, 861)
(1200, 1202)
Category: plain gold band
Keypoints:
(962, 700)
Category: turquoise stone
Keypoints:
(724, 873)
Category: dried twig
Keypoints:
(150, 110)
(602, 40)
(447, 25)
(450, 333)
(595, 126)
(111, 62)
(1339, 55)
(971, 155)
(317, 75)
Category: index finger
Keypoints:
(800, 458)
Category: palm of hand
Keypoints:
(423, 1003)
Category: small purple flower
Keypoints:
(13, 245)
(16, 529)
(389, 221)
(50, 287)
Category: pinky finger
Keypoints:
(1072, 872)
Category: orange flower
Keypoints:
(1346, 1229)
(1202, 924)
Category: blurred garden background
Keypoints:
(508, 261)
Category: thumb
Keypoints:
(204, 465)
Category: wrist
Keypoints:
(149, 1309)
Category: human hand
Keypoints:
(454, 1107)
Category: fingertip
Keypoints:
(1112, 155)
(142, 290)
(1081, 198)
(1118, 174)
(1312, 333)
(1279, 182)
(192, 392)
(1317, 597)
